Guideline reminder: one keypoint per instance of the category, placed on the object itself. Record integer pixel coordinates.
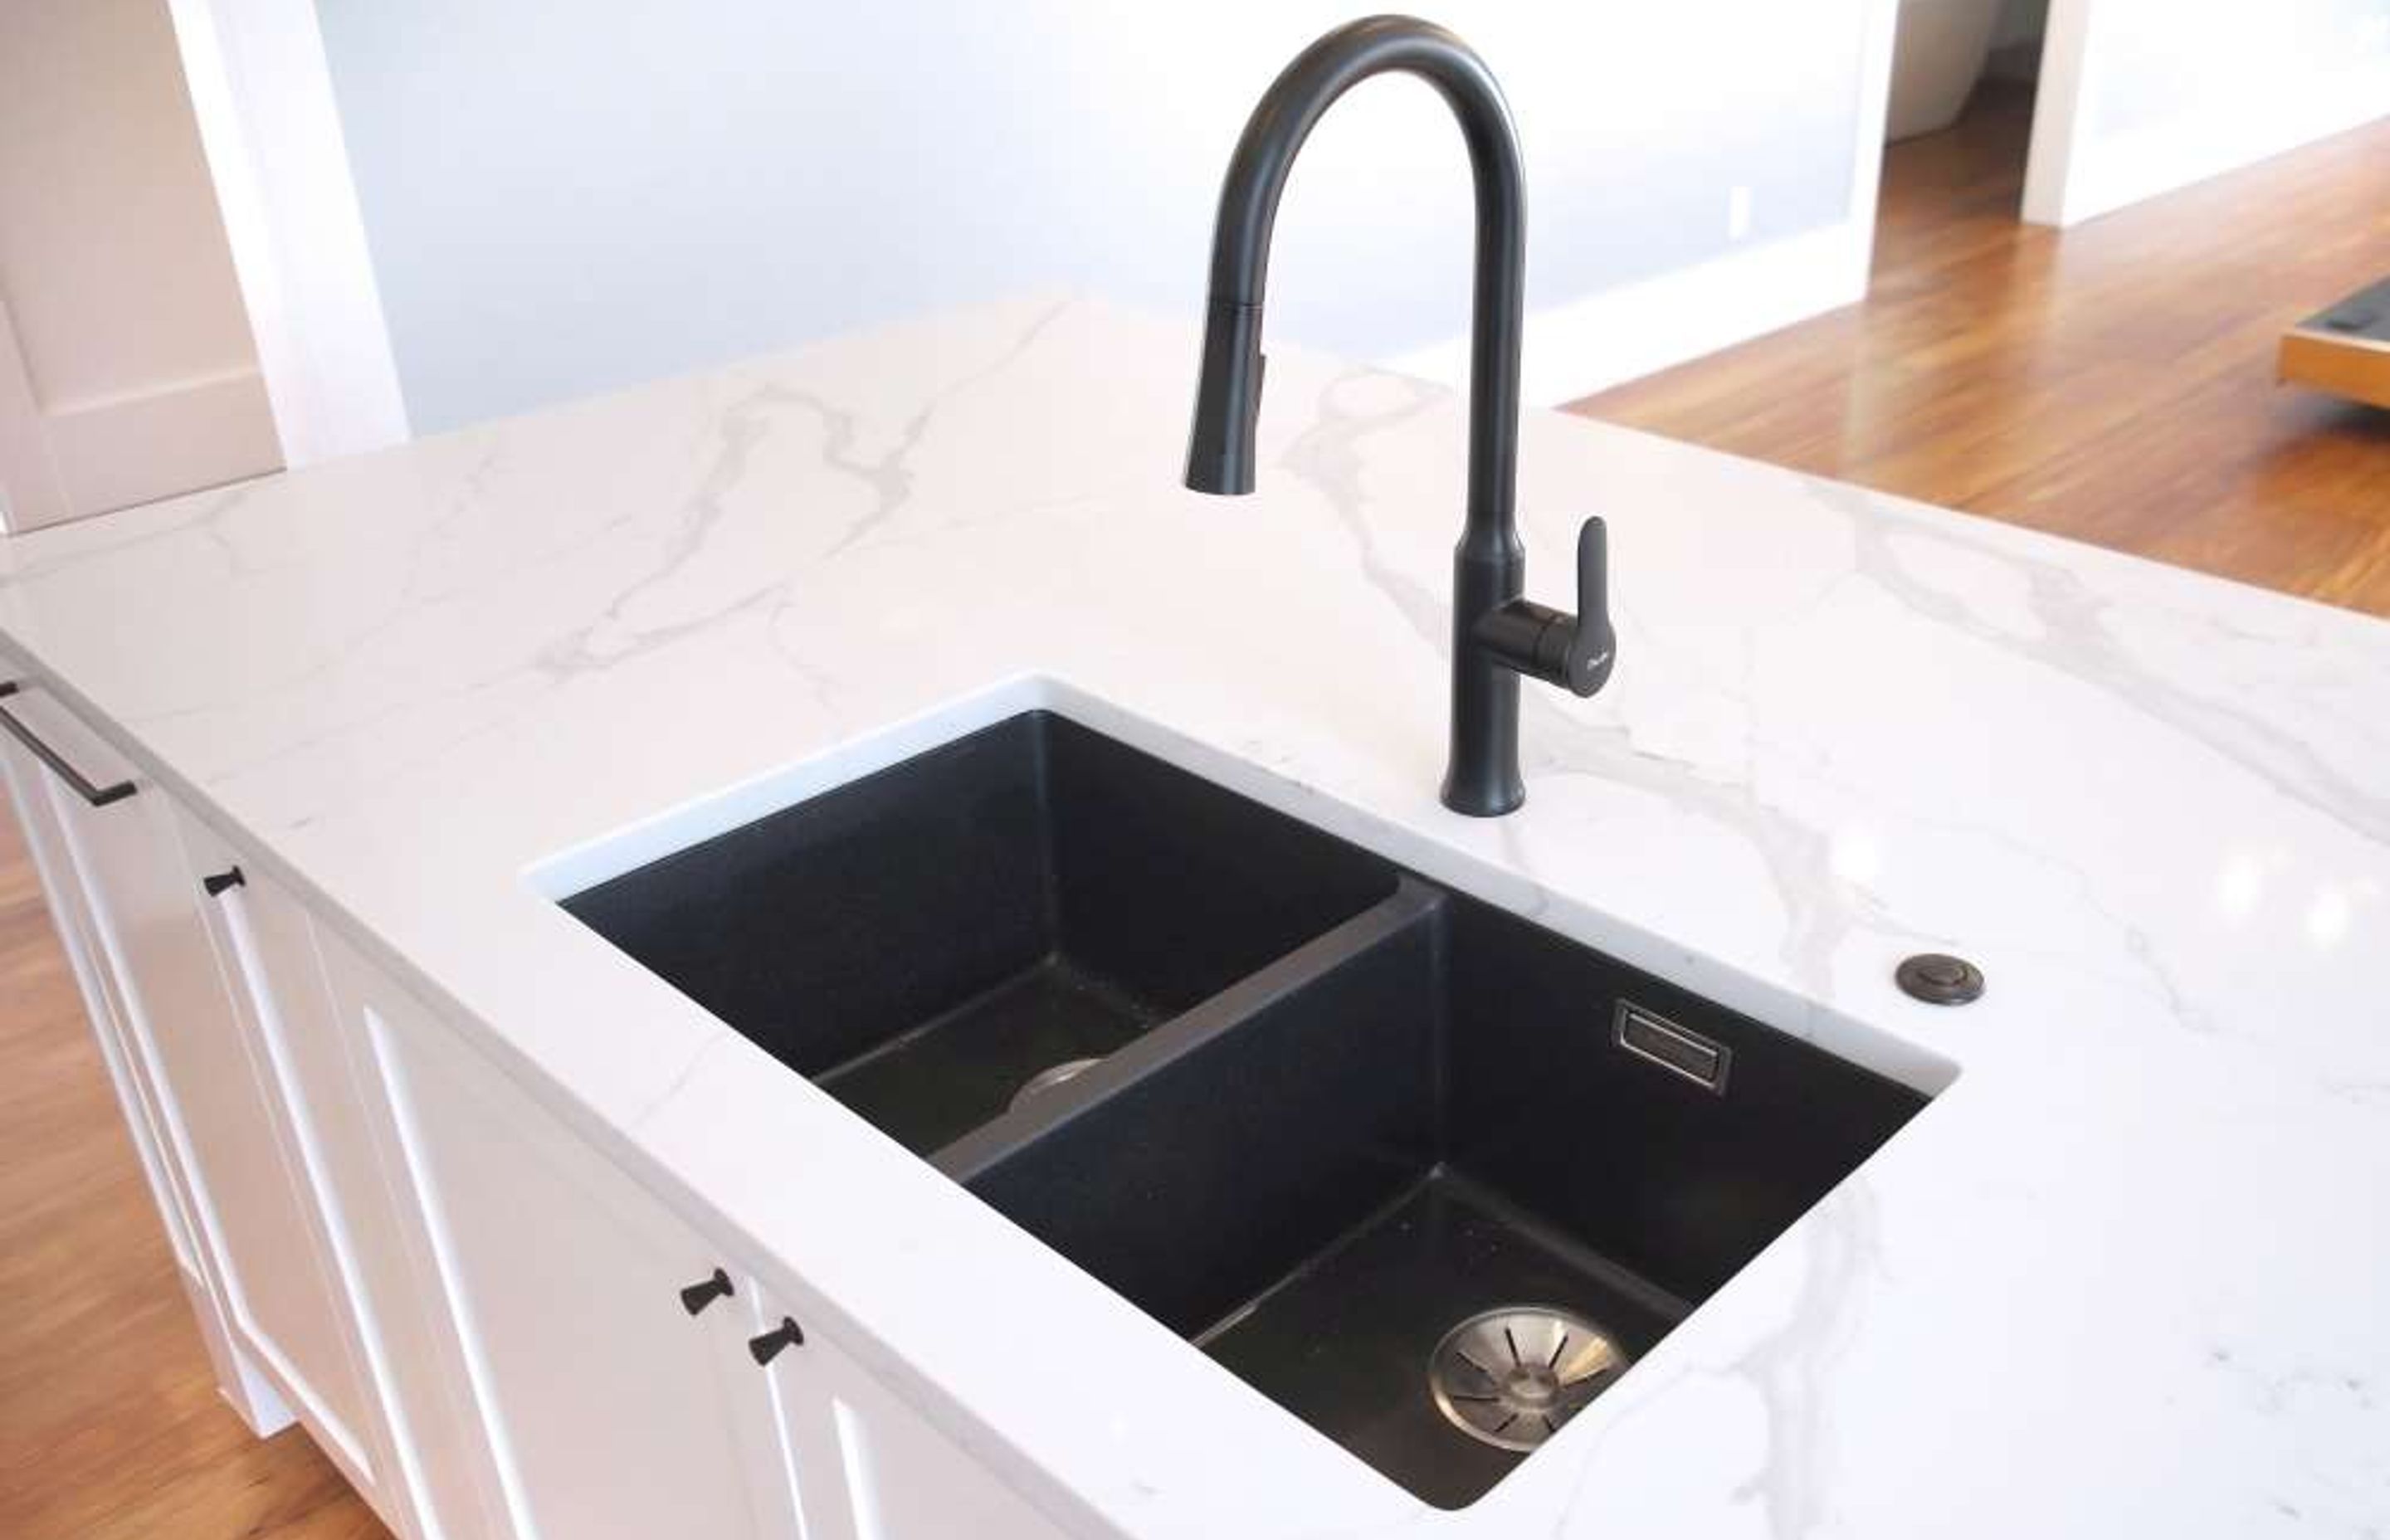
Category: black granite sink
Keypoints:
(1454, 1113)
(925, 941)
(1426, 1175)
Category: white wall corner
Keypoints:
(262, 90)
(2061, 113)
(1882, 29)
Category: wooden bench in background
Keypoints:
(2344, 349)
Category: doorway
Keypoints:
(1958, 127)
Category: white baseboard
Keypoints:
(1587, 345)
(2102, 177)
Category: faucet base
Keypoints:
(1482, 802)
(1484, 792)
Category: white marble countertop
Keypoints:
(2128, 1275)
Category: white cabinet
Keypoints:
(609, 1408)
(238, 1197)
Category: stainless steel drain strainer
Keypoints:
(1511, 1376)
(1051, 1077)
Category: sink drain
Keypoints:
(1052, 1075)
(1511, 1376)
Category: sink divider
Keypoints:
(1209, 1187)
(1408, 911)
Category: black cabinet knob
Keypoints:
(769, 1345)
(223, 882)
(697, 1296)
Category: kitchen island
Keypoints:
(2123, 1274)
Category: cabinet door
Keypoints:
(609, 1408)
(256, 1401)
(871, 1467)
(251, 1211)
(436, 1484)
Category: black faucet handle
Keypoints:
(1592, 644)
(1573, 651)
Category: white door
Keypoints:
(127, 369)
(612, 1410)
(250, 1209)
(871, 1467)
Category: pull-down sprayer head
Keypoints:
(1228, 397)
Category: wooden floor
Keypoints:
(110, 1427)
(2113, 382)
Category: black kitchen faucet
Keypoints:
(1497, 634)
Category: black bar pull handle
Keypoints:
(697, 1296)
(224, 883)
(788, 1334)
(97, 796)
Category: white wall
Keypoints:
(566, 197)
(2153, 94)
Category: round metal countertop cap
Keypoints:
(1939, 979)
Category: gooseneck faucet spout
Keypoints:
(1496, 635)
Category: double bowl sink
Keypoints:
(1426, 1175)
